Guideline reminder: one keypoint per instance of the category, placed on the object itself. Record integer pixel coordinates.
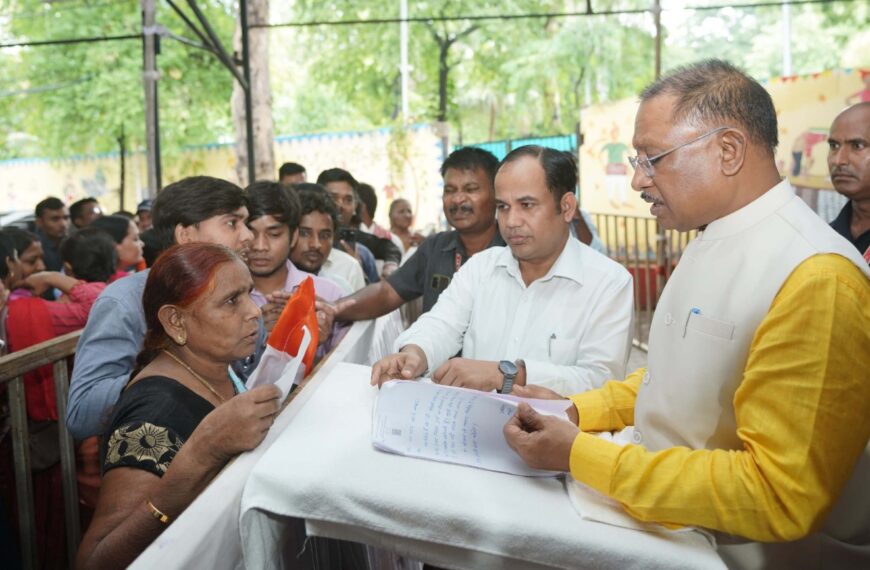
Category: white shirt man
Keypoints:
(561, 310)
(342, 269)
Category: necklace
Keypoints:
(202, 380)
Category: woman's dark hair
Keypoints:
(91, 253)
(180, 276)
(195, 199)
(7, 251)
(21, 239)
(116, 226)
(560, 168)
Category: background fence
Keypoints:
(502, 147)
(633, 241)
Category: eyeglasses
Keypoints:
(647, 162)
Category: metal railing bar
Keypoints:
(17, 363)
(636, 263)
(23, 483)
(649, 278)
(67, 463)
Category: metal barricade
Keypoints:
(634, 242)
(12, 369)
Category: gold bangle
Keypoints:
(157, 513)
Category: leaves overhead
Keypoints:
(506, 78)
(75, 99)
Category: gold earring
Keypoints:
(181, 339)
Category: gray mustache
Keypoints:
(841, 171)
(464, 207)
(648, 198)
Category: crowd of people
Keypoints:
(749, 420)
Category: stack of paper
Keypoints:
(453, 425)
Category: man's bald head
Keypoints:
(859, 112)
(849, 152)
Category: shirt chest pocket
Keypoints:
(709, 326)
(711, 351)
(563, 350)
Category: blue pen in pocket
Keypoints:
(693, 311)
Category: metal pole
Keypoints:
(403, 57)
(122, 144)
(657, 17)
(579, 134)
(67, 464)
(23, 483)
(249, 106)
(149, 79)
(786, 38)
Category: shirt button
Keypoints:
(637, 437)
(646, 378)
(669, 320)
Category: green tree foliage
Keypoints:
(75, 99)
(822, 37)
(507, 77)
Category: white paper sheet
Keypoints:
(453, 425)
(280, 368)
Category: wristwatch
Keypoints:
(509, 370)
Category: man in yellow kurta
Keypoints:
(753, 416)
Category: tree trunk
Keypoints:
(261, 92)
(443, 73)
(445, 41)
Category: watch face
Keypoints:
(507, 368)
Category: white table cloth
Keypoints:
(323, 468)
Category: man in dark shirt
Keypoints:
(84, 211)
(469, 205)
(849, 164)
(342, 187)
(52, 225)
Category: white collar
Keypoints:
(569, 264)
(751, 214)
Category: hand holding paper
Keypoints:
(543, 442)
(410, 362)
(292, 344)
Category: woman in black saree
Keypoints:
(181, 417)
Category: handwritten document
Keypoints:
(453, 425)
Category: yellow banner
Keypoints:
(805, 107)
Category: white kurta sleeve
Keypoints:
(440, 331)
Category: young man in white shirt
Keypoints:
(312, 251)
(545, 309)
